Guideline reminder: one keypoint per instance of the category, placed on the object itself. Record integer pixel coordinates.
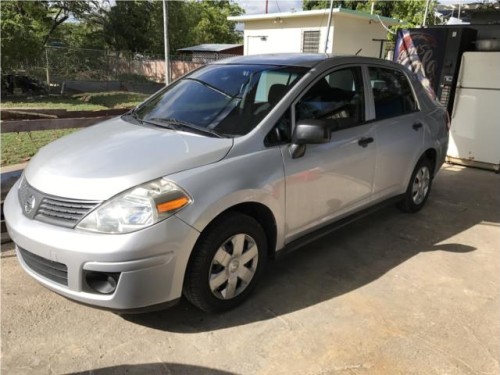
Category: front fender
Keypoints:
(251, 178)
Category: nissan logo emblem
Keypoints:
(29, 204)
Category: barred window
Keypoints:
(310, 41)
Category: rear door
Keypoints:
(333, 178)
(399, 129)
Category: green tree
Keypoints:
(189, 23)
(181, 19)
(27, 26)
(80, 35)
(22, 30)
(60, 11)
(128, 26)
(410, 11)
(325, 4)
(212, 24)
(137, 26)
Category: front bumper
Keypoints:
(151, 262)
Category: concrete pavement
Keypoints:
(390, 294)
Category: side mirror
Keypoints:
(311, 132)
(308, 132)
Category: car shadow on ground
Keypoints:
(352, 257)
(154, 368)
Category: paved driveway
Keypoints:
(391, 294)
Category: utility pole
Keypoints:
(165, 42)
(329, 24)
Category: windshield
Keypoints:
(229, 100)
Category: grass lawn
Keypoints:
(20, 147)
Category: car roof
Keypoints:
(290, 59)
(307, 60)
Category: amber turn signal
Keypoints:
(172, 205)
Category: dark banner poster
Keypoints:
(422, 51)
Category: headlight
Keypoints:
(137, 208)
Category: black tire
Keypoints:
(419, 187)
(217, 257)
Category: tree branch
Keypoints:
(55, 24)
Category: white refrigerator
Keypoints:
(475, 121)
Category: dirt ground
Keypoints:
(390, 294)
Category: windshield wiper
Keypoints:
(210, 86)
(175, 124)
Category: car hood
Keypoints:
(106, 159)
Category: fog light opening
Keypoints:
(101, 282)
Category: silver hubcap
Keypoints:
(421, 185)
(233, 266)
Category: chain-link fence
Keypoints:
(58, 68)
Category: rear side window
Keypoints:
(392, 93)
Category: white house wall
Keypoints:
(348, 34)
(351, 34)
(283, 37)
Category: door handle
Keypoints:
(363, 142)
(417, 126)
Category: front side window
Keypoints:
(229, 100)
(337, 98)
(392, 93)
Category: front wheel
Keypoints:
(226, 263)
(419, 187)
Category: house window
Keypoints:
(310, 42)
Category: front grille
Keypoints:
(63, 212)
(54, 271)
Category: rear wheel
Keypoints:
(226, 263)
(419, 187)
